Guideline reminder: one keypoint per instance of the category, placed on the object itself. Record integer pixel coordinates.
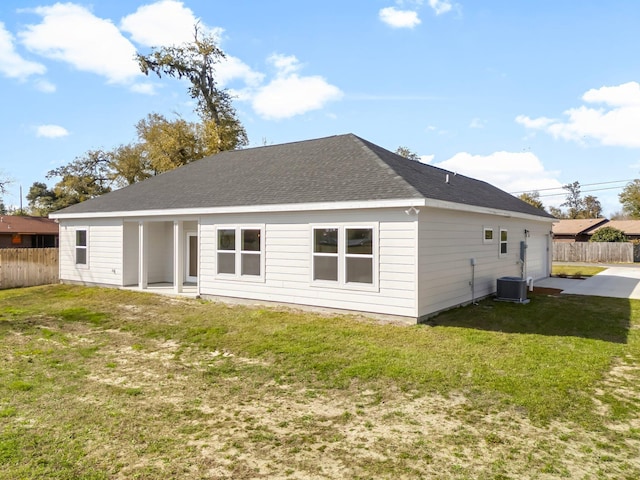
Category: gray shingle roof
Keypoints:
(332, 169)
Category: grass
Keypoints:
(575, 271)
(101, 383)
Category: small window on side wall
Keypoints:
(81, 247)
(504, 242)
(487, 235)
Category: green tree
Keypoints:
(85, 177)
(406, 153)
(630, 199)
(573, 200)
(166, 145)
(578, 206)
(557, 212)
(608, 234)
(592, 207)
(195, 61)
(532, 198)
(4, 185)
(129, 164)
(41, 200)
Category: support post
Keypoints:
(143, 259)
(179, 254)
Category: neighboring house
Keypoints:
(578, 230)
(334, 222)
(631, 228)
(27, 232)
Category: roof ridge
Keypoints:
(380, 161)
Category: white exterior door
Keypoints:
(538, 256)
(191, 260)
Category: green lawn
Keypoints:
(101, 383)
(575, 271)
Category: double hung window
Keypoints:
(344, 255)
(240, 252)
(81, 247)
(503, 242)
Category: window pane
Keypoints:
(325, 268)
(226, 239)
(488, 234)
(359, 270)
(325, 240)
(81, 256)
(226, 262)
(81, 238)
(503, 247)
(251, 240)
(359, 241)
(250, 264)
(503, 235)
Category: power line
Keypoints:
(581, 191)
(581, 185)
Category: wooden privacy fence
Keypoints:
(26, 267)
(594, 252)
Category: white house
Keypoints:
(333, 222)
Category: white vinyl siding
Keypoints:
(420, 263)
(288, 261)
(104, 252)
(448, 240)
(159, 252)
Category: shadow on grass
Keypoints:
(598, 318)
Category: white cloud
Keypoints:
(399, 18)
(231, 68)
(45, 86)
(72, 34)
(51, 131)
(537, 123)
(427, 158)
(477, 123)
(164, 23)
(144, 88)
(290, 94)
(440, 6)
(614, 124)
(509, 171)
(12, 65)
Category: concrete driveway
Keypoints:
(615, 281)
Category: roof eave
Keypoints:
(306, 207)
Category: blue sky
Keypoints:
(525, 95)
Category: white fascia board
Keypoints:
(305, 207)
(295, 207)
(460, 207)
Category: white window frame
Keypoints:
(239, 252)
(77, 247)
(503, 242)
(486, 240)
(342, 255)
(315, 254)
